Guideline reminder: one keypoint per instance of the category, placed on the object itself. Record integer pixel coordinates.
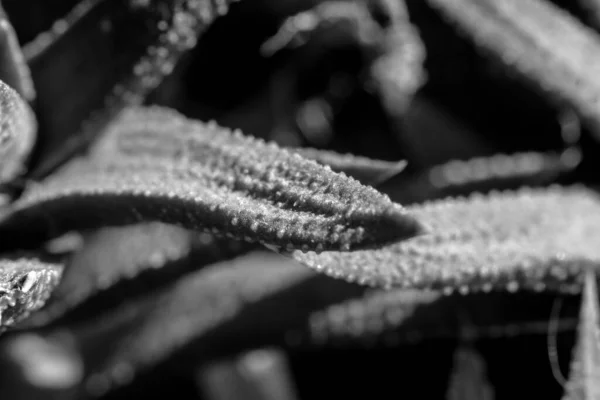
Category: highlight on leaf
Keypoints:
(390, 318)
(530, 238)
(18, 130)
(164, 133)
(585, 363)
(129, 261)
(468, 380)
(541, 42)
(144, 332)
(25, 284)
(152, 36)
(228, 184)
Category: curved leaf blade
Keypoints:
(164, 133)
(123, 263)
(113, 64)
(17, 133)
(532, 238)
(540, 42)
(230, 184)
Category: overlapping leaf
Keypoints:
(145, 331)
(111, 54)
(17, 133)
(228, 184)
(483, 174)
(539, 41)
(532, 238)
(121, 263)
(165, 134)
(25, 284)
(583, 378)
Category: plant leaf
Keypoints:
(164, 133)
(142, 333)
(398, 74)
(13, 68)
(469, 380)
(262, 374)
(585, 365)
(17, 133)
(366, 170)
(112, 54)
(25, 284)
(483, 174)
(392, 318)
(539, 41)
(121, 263)
(230, 184)
(534, 238)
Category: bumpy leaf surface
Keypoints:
(164, 133)
(17, 133)
(532, 238)
(228, 184)
(25, 284)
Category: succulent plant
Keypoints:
(299, 199)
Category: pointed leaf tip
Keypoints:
(226, 183)
(535, 238)
(585, 365)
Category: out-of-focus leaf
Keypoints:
(389, 318)
(117, 264)
(36, 367)
(483, 174)
(13, 68)
(143, 332)
(111, 54)
(540, 42)
(261, 374)
(584, 377)
(531, 238)
(469, 380)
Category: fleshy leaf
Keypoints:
(121, 263)
(398, 74)
(262, 374)
(13, 68)
(35, 367)
(165, 133)
(534, 238)
(539, 41)
(585, 366)
(482, 174)
(229, 184)
(17, 133)
(391, 318)
(142, 333)
(25, 284)
(469, 380)
(112, 54)
(366, 170)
